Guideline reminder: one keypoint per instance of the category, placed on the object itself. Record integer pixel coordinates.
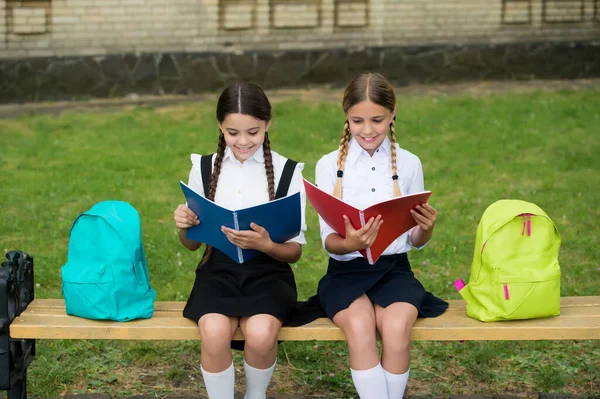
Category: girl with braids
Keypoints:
(258, 295)
(363, 299)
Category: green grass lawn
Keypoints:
(540, 147)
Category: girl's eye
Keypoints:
(378, 120)
(253, 133)
(356, 121)
(232, 133)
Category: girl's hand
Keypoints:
(258, 238)
(425, 217)
(185, 217)
(363, 238)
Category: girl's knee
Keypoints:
(261, 337)
(215, 332)
(396, 332)
(359, 329)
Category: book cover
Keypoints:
(394, 212)
(281, 218)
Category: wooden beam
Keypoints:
(46, 319)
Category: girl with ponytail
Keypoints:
(258, 295)
(363, 299)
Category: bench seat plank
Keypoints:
(46, 319)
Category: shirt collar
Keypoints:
(258, 156)
(355, 151)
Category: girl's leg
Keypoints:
(358, 324)
(216, 331)
(260, 352)
(395, 323)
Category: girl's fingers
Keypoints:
(426, 212)
(417, 216)
(372, 222)
(431, 209)
(421, 220)
(368, 225)
(374, 231)
(183, 222)
(191, 213)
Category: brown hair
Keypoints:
(247, 99)
(377, 89)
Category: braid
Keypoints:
(269, 167)
(212, 189)
(397, 191)
(343, 153)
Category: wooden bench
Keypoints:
(47, 319)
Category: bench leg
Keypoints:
(16, 293)
(18, 390)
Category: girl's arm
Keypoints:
(184, 216)
(425, 215)
(425, 218)
(184, 219)
(288, 252)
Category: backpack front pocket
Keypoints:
(528, 297)
(89, 292)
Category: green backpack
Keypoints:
(515, 272)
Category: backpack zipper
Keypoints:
(506, 296)
(526, 223)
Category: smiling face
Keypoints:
(369, 124)
(243, 134)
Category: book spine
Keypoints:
(236, 225)
(362, 224)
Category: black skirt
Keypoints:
(388, 281)
(262, 285)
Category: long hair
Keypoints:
(377, 89)
(247, 99)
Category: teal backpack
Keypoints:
(515, 272)
(106, 275)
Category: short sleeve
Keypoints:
(325, 180)
(297, 186)
(195, 178)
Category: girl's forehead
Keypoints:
(239, 120)
(367, 108)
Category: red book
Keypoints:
(394, 212)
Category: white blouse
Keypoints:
(368, 180)
(242, 185)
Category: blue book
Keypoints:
(280, 217)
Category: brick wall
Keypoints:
(33, 28)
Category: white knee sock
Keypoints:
(370, 384)
(219, 385)
(396, 384)
(257, 381)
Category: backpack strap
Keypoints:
(286, 178)
(206, 169)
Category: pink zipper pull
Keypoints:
(529, 224)
(506, 296)
(459, 284)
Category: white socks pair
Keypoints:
(374, 383)
(377, 383)
(221, 385)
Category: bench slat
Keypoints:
(455, 304)
(46, 319)
(452, 312)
